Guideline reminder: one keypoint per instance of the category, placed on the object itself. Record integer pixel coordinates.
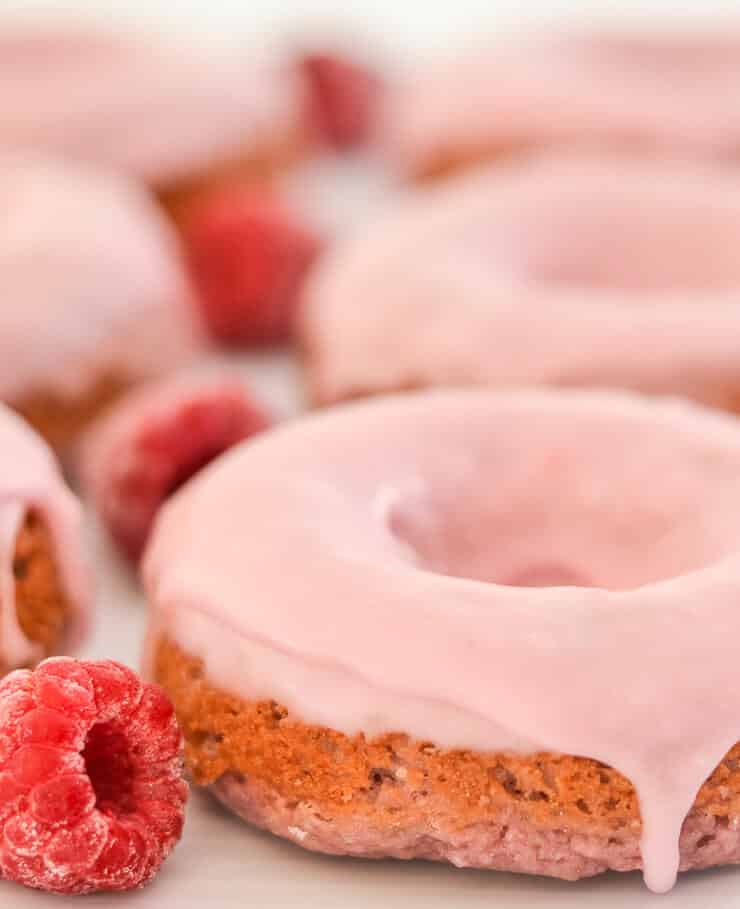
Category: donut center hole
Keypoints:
(110, 769)
(615, 508)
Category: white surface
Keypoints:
(221, 862)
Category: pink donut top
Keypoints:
(653, 93)
(30, 480)
(158, 108)
(373, 567)
(91, 280)
(562, 270)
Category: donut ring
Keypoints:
(641, 94)
(95, 295)
(557, 271)
(345, 615)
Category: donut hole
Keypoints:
(588, 503)
(110, 768)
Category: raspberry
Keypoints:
(248, 257)
(91, 789)
(156, 439)
(342, 99)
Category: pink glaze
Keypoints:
(654, 94)
(30, 480)
(561, 270)
(159, 108)
(91, 280)
(371, 568)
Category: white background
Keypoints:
(221, 862)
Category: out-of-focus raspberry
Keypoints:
(156, 439)
(342, 98)
(248, 256)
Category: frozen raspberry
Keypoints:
(248, 257)
(342, 99)
(156, 439)
(91, 789)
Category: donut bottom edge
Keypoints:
(395, 797)
(61, 419)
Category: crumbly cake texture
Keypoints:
(391, 796)
(41, 605)
(60, 419)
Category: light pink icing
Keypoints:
(91, 280)
(562, 270)
(160, 108)
(355, 565)
(30, 480)
(652, 93)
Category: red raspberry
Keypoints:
(248, 257)
(342, 99)
(91, 789)
(155, 440)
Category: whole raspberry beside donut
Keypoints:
(91, 790)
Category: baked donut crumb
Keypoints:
(42, 608)
(273, 768)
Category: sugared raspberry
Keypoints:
(91, 789)
(157, 438)
(248, 257)
(342, 99)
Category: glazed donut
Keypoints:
(94, 294)
(644, 94)
(169, 111)
(181, 114)
(203, 125)
(559, 270)
(44, 583)
(487, 628)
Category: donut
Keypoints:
(170, 111)
(44, 582)
(496, 629)
(179, 113)
(558, 270)
(95, 297)
(199, 123)
(646, 94)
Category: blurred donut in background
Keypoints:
(561, 270)
(95, 296)
(651, 93)
(200, 124)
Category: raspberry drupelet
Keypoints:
(91, 789)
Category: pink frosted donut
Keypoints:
(497, 629)
(44, 584)
(160, 108)
(563, 271)
(94, 293)
(639, 93)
